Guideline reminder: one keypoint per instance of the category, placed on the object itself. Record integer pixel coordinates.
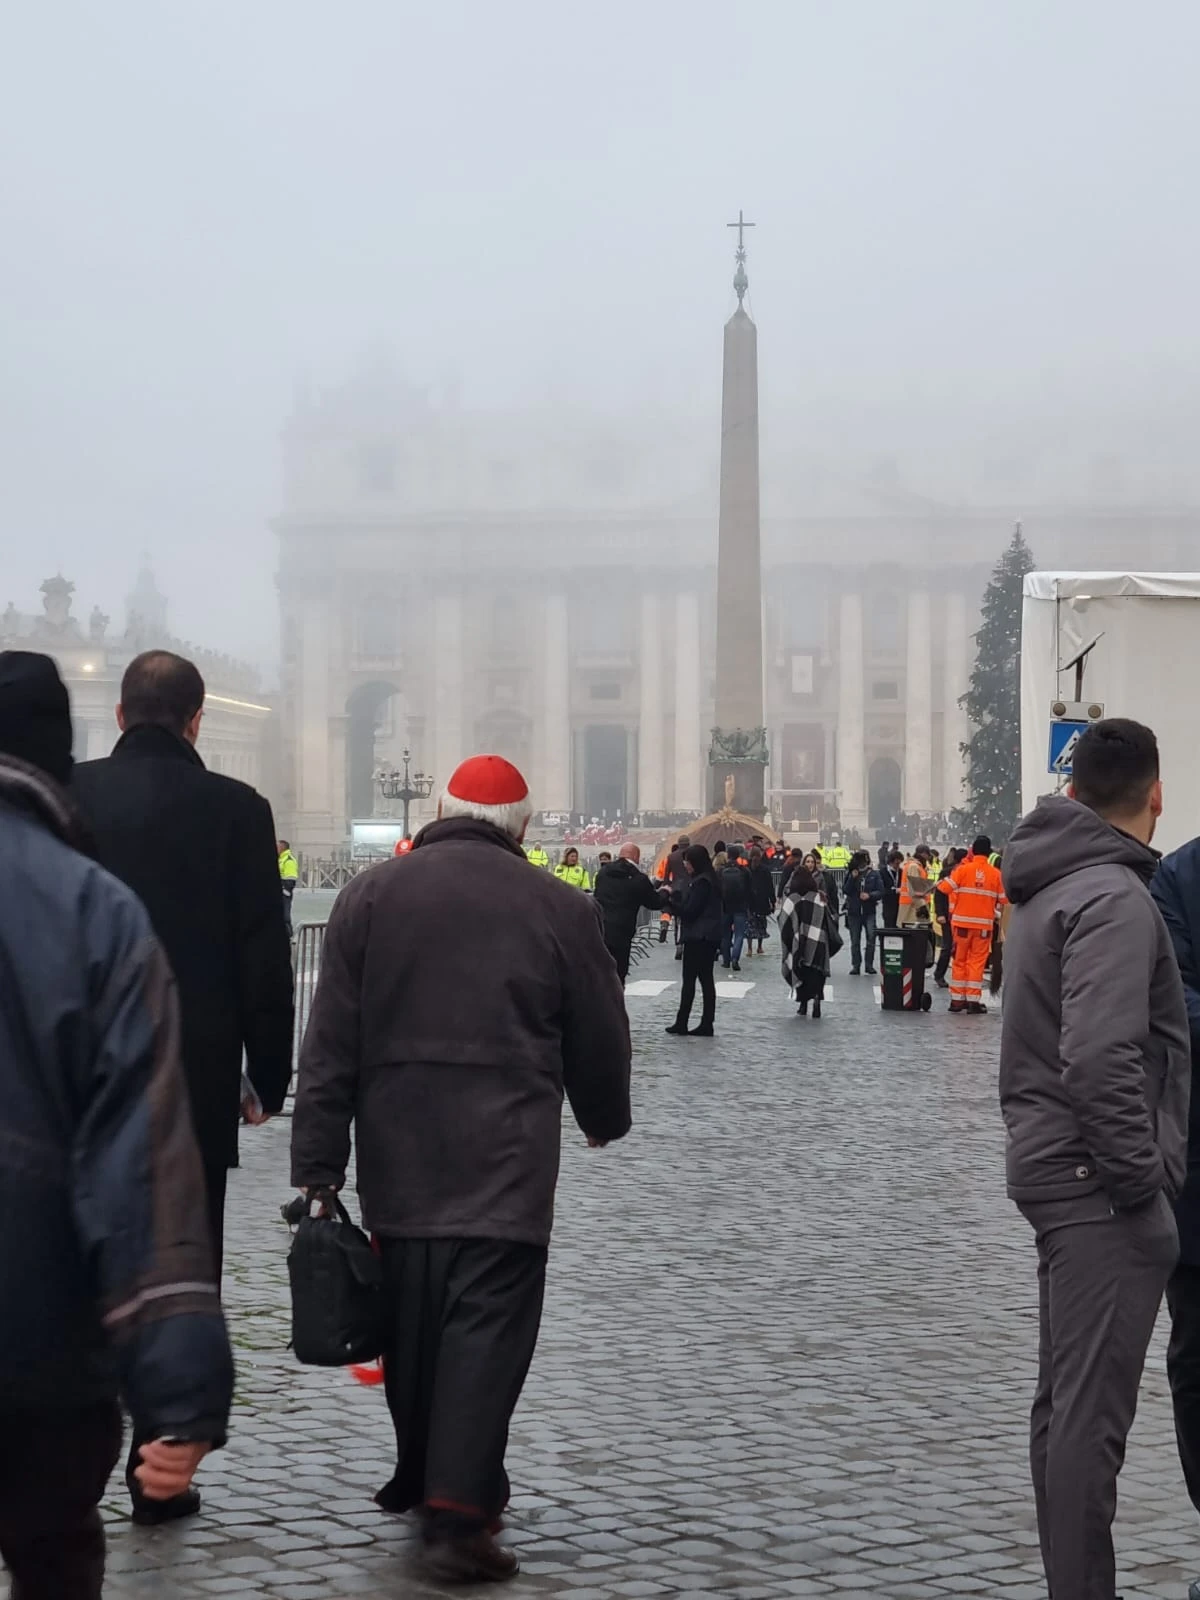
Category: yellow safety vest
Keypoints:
(537, 857)
(577, 877)
(289, 867)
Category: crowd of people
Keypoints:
(129, 1007)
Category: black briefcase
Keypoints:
(339, 1307)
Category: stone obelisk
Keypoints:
(739, 747)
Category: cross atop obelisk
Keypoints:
(739, 753)
(740, 281)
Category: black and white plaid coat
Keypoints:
(803, 929)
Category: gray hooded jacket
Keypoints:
(1094, 1052)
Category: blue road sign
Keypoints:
(1064, 736)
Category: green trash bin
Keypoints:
(903, 957)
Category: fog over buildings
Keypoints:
(465, 266)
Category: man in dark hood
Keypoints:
(1094, 1086)
(106, 1279)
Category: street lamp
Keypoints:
(404, 786)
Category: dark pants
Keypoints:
(945, 952)
(466, 1321)
(857, 926)
(1100, 1283)
(699, 958)
(215, 1178)
(54, 1466)
(619, 950)
(891, 909)
(733, 936)
(1183, 1370)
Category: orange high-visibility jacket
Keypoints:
(975, 890)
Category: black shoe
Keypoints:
(737, 967)
(704, 1031)
(958, 1007)
(474, 1558)
(679, 1029)
(760, 949)
(153, 1513)
(802, 1009)
(941, 983)
(977, 1010)
(856, 972)
(816, 1011)
(872, 972)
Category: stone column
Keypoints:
(689, 788)
(556, 705)
(448, 744)
(650, 767)
(954, 685)
(315, 822)
(918, 707)
(850, 733)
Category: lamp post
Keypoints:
(404, 786)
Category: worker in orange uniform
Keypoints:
(975, 891)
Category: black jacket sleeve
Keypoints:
(330, 1057)
(140, 1210)
(595, 1036)
(264, 956)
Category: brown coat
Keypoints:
(461, 992)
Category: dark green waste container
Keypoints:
(903, 957)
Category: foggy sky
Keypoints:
(976, 241)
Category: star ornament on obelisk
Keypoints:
(739, 753)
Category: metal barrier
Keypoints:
(306, 966)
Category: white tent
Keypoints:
(1146, 666)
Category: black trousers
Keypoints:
(619, 950)
(699, 958)
(215, 1179)
(1183, 1370)
(891, 908)
(54, 1466)
(466, 1318)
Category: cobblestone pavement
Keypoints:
(788, 1349)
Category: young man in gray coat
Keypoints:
(1094, 1085)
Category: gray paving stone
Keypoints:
(788, 1351)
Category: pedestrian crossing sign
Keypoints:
(1064, 736)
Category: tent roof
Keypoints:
(1093, 585)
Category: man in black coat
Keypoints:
(621, 890)
(199, 851)
(106, 1276)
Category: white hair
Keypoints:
(511, 819)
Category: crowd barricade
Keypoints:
(306, 966)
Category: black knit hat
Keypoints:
(35, 713)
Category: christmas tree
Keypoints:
(993, 703)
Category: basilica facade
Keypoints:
(451, 584)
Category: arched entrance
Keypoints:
(884, 791)
(372, 712)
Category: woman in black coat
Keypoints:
(762, 901)
(697, 904)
